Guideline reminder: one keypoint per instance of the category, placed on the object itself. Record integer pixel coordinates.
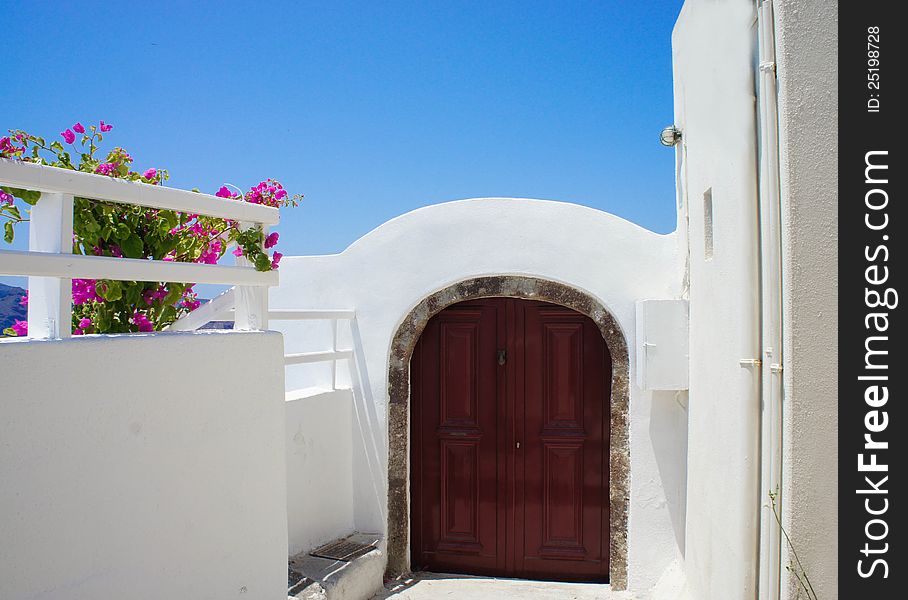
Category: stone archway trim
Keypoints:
(510, 286)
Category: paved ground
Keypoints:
(436, 586)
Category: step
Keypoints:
(317, 578)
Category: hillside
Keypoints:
(10, 310)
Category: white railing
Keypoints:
(333, 355)
(221, 308)
(50, 265)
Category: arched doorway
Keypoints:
(402, 346)
(509, 442)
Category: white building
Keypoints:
(718, 386)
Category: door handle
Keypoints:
(502, 357)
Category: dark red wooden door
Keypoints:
(509, 442)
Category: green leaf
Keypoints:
(174, 291)
(262, 263)
(27, 196)
(89, 222)
(133, 292)
(114, 291)
(13, 210)
(8, 232)
(133, 246)
(10, 332)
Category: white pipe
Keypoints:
(771, 309)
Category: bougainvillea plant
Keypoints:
(103, 228)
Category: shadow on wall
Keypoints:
(368, 444)
(668, 430)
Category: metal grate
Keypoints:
(345, 550)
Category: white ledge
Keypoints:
(76, 266)
(316, 357)
(309, 314)
(313, 392)
(43, 178)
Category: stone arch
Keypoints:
(510, 286)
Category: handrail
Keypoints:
(76, 266)
(42, 178)
(50, 265)
(316, 357)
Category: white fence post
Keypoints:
(50, 298)
(251, 301)
(334, 349)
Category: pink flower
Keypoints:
(105, 127)
(150, 174)
(271, 240)
(142, 322)
(224, 192)
(8, 149)
(20, 328)
(24, 300)
(78, 128)
(5, 198)
(106, 168)
(68, 136)
(84, 323)
(238, 251)
(77, 331)
(84, 291)
(276, 259)
(211, 254)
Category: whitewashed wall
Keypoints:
(388, 271)
(147, 466)
(807, 47)
(714, 62)
(319, 468)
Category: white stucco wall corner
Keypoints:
(162, 470)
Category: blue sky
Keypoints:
(370, 109)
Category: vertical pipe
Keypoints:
(771, 309)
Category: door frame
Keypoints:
(402, 345)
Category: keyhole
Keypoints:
(502, 357)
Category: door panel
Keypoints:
(565, 460)
(509, 452)
(454, 431)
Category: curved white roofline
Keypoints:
(454, 205)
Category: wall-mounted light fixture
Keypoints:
(670, 136)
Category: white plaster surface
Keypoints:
(146, 466)
(319, 475)
(807, 57)
(713, 54)
(388, 271)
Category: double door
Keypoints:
(509, 442)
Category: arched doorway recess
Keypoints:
(507, 286)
